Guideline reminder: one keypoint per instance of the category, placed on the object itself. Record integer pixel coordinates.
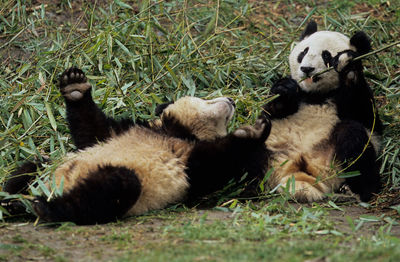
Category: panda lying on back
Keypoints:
(322, 126)
(126, 168)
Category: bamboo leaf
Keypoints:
(349, 174)
(50, 115)
(122, 4)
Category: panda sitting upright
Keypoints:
(126, 168)
(326, 124)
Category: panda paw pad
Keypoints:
(73, 84)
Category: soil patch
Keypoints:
(27, 242)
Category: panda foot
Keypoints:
(304, 190)
(13, 206)
(260, 130)
(73, 84)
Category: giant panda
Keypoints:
(126, 168)
(324, 125)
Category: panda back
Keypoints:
(158, 161)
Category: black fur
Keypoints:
(160, 108)
(18, 181)
(327, 57)
(362, 42)
(288, 101)
(311, 28)
(212, 164)
(301, 55)
(103, 196)
(15, 207)
(172, 127)
(354, 98)
(350, 139)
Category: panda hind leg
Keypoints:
(350, 138)
(17, 182)
(104, 196)
(308, 187)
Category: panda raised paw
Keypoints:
(343, 60)
(73, 84)
(260, 130)
(285, 87)
(343, 64)
(287, 101)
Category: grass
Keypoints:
(251, 233)
(137, 55)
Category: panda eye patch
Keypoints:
(327, 57)
(301, 55)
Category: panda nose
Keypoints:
(307, 69)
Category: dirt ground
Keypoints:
(27, 242)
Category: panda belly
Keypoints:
(300, 147)
(156, 160)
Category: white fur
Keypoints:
(303, 137)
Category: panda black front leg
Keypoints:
(354, 98)
(286, 103)
(212, 164)
(87, 123)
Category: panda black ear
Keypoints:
(311, 28)
(361, 42)
(160, 108)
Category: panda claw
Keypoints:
(65, 79)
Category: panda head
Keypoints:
(314, 54)
(196, 118)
